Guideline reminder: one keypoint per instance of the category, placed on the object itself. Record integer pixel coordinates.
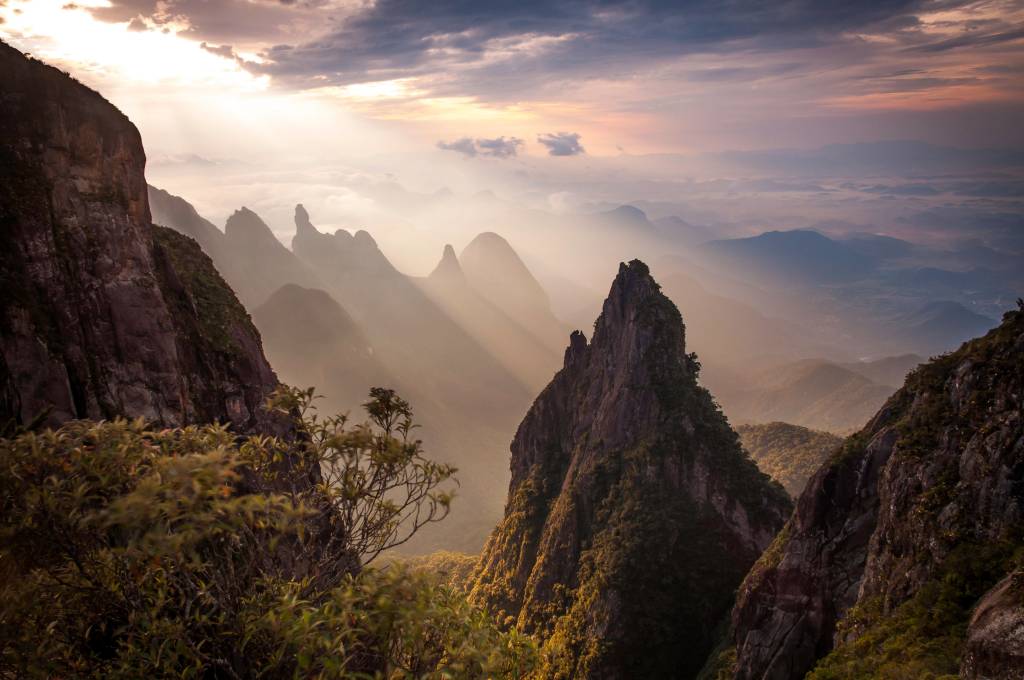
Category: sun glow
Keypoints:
(62, 33)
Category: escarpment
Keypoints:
(899, 554)
(633, 512)
(102, 313)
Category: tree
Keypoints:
(129, 551)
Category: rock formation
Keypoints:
(911, 522)
(102, 314)
(633, 513)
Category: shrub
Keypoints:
(128, 551)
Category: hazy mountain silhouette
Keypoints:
(310, 339)
(939, 325)
(496, 271)
(515, 346)
(247, 254)
(791, 257)
(812, 393)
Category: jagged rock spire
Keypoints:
(302, 223)
(448, 269)
(633, 512)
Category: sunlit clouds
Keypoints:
(641, 77)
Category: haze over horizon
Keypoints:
(720, 116)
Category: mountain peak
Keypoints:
(363, 238)
(244, 223)
(635, 305)
(448, 269)
(302, 223)
(627, 482)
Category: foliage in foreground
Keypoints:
(132, 552)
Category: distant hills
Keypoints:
(789, 453)
(791, 257)
(812, 393)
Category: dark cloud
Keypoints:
(499, 147)
(971, 39)
(137, 24)
(465, 146)
(561, 143)
(400, 38)
(223, 21)
(226, 51)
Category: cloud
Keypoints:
(464, 41)
(465, 146)
(137, 24)
(223, 21)
(972, 39)
(226, 51)
(561, 143)
(499, 147)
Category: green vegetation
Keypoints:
(454, 569)
(922, 638)
(215, 305)
(130, 552)
(633, 566)
(790, 454)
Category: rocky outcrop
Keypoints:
(633, 513)
(102, 314)
(928, 496)
(995, 637)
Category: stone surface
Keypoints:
(101, 314)
(995, 637)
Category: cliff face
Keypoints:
(633, 513)
(102, 314)
(918, 512)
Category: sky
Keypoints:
(574, 101)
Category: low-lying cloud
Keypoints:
(498, 147)
(562, 143)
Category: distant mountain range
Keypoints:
(812, 393)
(791, 257)
(467, 346)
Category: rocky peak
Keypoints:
(103, 314)
(448, 270)
(577, 348)
(633, 512)
(246, 225)
(302, 223)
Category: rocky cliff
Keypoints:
(632, 513)
(102, 314)
(898, 537)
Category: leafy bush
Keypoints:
(127, 551)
